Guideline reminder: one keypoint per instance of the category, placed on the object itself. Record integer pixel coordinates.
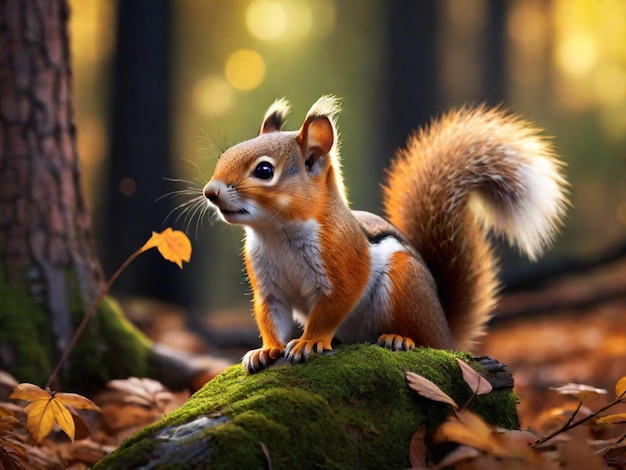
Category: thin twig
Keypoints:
(569, 425)
(88, 316)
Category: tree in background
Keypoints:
(49, 271)
(140, 149)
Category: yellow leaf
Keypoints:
(173, 245)
(28, 392)
(466, 428)
(619, 418)
(63, 417)
(40, 418)
(76, 401)
(46, 408)
(620, 387)
(469, 429)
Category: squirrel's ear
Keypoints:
(316, 139)
(275, 116)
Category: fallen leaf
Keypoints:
(4, 411)
(173, 245)
(43, 457)
(7, 380)
(118, 416)
(144, 392)
(429, 390)
(467, 428)
(13, 454)
(577, 453)
(8, 423)
(477, 383)
(581, 391)
(89, 452)
(460, 454)
(417, 448)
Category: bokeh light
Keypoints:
(128, 186)
(267, 20)
(610, 84)
(245, 69)
(212, 96)
(576, 54)
(287, 21)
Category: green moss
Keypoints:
(25, 334)
(352, 409)
(110, 348)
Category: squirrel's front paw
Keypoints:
(395, 342)
(299, 350)
(258, 359)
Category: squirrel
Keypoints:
(426, 274)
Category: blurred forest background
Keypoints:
(160, 85)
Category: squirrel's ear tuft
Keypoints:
(275, 116)
(327, 105)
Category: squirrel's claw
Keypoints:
(299, 350)
(258, 359)
(395, 342)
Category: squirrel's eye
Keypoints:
(263, 171)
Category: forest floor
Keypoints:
(568, 329)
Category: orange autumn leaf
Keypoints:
(467, 428)
(619, 418)
(620, 387)
(12, 451)
(173, 245)
(47, 408)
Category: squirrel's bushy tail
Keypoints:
(471, 171)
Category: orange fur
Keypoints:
(429, 277)
(416, 313)
(481, 152)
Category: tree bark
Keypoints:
(49, 271)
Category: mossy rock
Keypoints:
(352, 409)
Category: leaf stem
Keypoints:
(88, 316)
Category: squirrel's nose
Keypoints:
(211, 191)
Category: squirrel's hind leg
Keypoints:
(395, 342)
(415, 316)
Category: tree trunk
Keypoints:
(411, 86)
(140, 149)
(49, 272)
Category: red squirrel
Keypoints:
(425, 274)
